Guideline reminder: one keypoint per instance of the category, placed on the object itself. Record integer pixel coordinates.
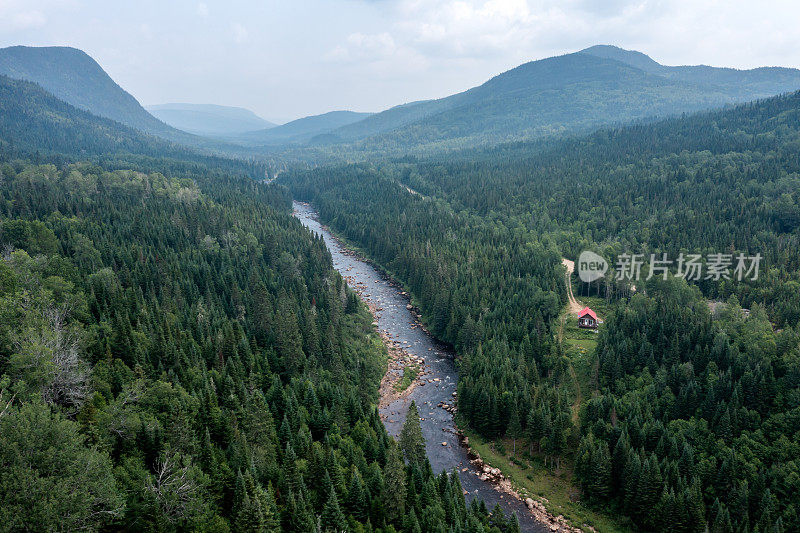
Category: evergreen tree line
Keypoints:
(177, 353)
(697, 418)
(693, 414)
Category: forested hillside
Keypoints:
(71, 75)
(723, 181)
(34, 124)
(179, 354)
(31, 120)
(560, 95)
(303, 129)
(690, 415)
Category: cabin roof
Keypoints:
(586, 311)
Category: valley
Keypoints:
(368, 319)
(437, 384)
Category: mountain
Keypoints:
(208, 119)
(741, 84)
(73, 76)
(304, 129)
(33, 120)
(570, 93)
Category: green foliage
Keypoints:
(411, 440)
(694, 414)
(695, 411)
(51, 479)
(177, 353)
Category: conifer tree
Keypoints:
(514, 428)
(411, 440)
(394, 477)
(356, 503)
(332, 518)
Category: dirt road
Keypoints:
(574, 305)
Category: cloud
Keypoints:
(28, 20)
(360, 47)
(458, 28)
(240, 34)
(202, 10)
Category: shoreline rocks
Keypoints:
(536, 507)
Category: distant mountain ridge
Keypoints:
(765, 81)
(209, 119)
(575, 92)
(73, 76)
(304, 129)
(33, 120)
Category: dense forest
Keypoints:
(177, 353)
(491, 291)
(690, 414)
(719, 182)
(697, 418)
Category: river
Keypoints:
(437, 424)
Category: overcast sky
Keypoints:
(291, 58)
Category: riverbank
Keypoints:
(554, 499)
(399, 362)
(396, 384)
(536, 504)
(433, 389)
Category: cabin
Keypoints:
(587, 318)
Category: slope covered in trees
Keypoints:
(565, 94)
(71, 75)
(697, 419)
(35, 124)
(689, 415)
(303, 129)
(31, 120)
(182, 352)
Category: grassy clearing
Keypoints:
(530, 478)
(526, 471)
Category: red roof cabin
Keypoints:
(587, 318)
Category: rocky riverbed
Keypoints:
(434, 389)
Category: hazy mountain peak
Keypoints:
(209, 119)
(73, 76)
(629, 57)
(306, 128)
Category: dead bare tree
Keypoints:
(5, 405)
(173, 488)
(118, 412)
(52, 350)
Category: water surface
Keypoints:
(437, 424)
